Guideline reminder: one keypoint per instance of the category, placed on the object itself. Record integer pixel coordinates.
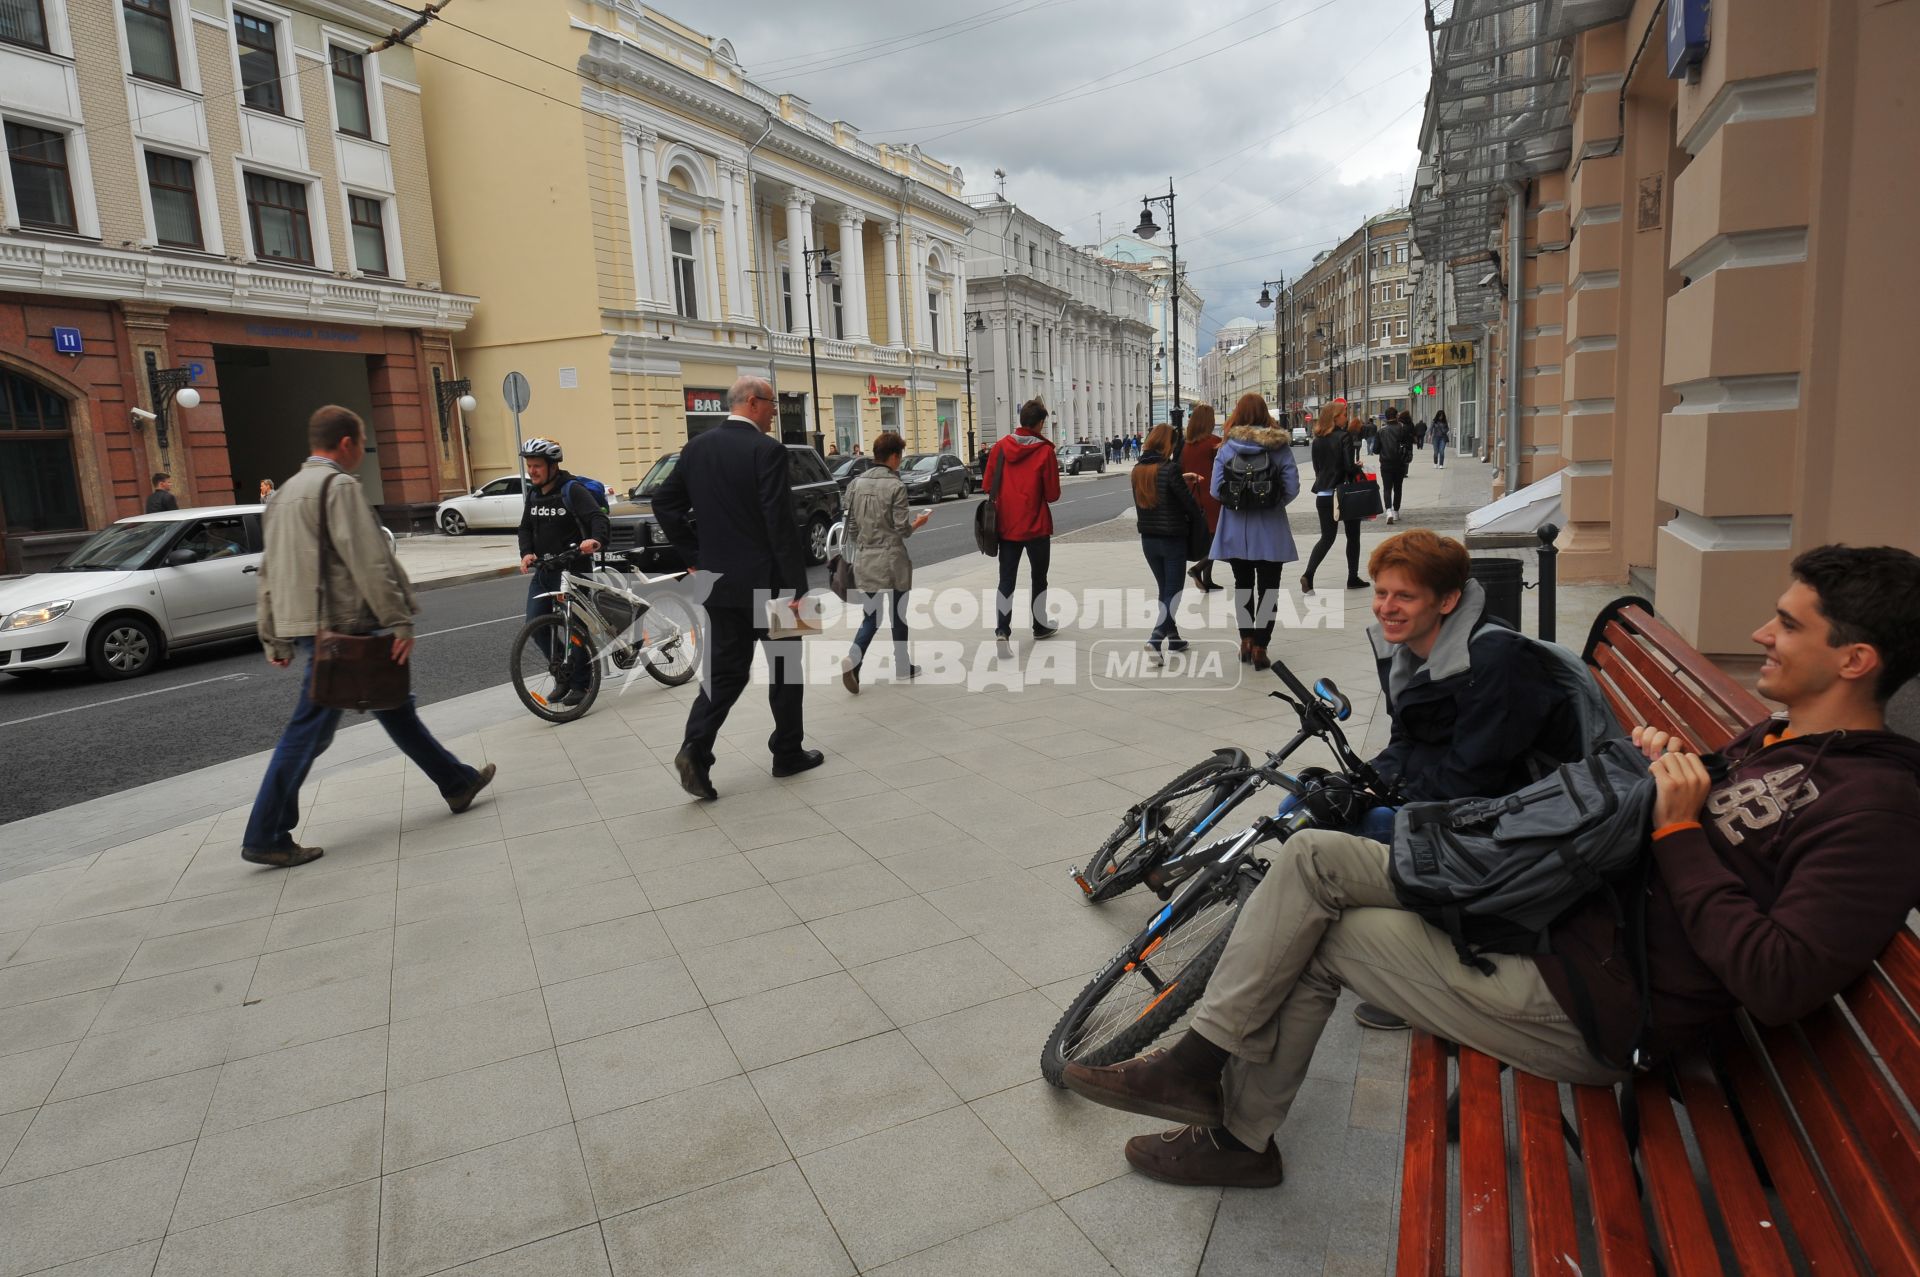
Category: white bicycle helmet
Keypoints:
(541, 449)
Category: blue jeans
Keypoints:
(870, 624)
(543, 581)
(1167, 557)
(1439, 452)
(276, 808)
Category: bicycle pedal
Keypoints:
(1080, 881)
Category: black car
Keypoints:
(933, 476)
(816, 507)
(1075, 457)
(845, 471)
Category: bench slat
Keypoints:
(1744, 1209)
(1553, 1239)
(1901, 964)
(1486, 1241)
(1869, 1206)
(1706, 721)
(1618, 1228)
(1878, 1118)
(1642, 698)
(1422, 1249)
(1679, 1215)
(1890, 1027)
(1741, 705)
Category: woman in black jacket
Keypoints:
(1168, 514)
(1336, 460)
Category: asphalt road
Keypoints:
(68, 737)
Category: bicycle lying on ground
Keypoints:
(1146, 990)
(611, 625)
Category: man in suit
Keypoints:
(734, 480)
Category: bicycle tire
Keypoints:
(1115, 870)
(1175, 997)
(679, 671)
(527, 656)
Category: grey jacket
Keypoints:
(367, 589)
(878, 525)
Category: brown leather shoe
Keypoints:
(280, 857)
(1197, 1155)
(1246, 651)
(461, 799)
(1150, 1086)
(1260, 661)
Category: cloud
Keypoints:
(1283, 124)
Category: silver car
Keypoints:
(134, 591)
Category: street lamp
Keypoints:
(974, 324)
(446, 394)
(827, 280)
(1147, 230)
(1280, 335)
(165, 388)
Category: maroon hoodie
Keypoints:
(1801, 870)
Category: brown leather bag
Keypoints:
(352, 671)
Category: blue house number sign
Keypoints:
(1686, 36)
(66, 341)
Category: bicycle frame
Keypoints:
(575, 598)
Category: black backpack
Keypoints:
(1250, 481)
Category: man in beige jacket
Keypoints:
(367, 592)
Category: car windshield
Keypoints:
(922, 462)
(848, 466)
(119, 548)
(656, 476)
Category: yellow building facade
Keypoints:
(637, 217)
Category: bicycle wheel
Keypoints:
(1126, 856)
(671, 657)
(539, 667)
(1148, 988)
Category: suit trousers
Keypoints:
(1325, 918)
(731, 634)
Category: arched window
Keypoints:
(38, 491)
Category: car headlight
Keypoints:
(38, 614)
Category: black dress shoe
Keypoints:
(693, 777)
(461, 799)
(793, 764)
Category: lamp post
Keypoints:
(971, 325)
(827, 280)
(1278, 300)
(1147, 230)
(165, 388)
(448, 393)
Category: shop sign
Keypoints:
(707, 402)
(1442, 354)
(894, 391)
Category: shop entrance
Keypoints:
(793, 418)
(266, 396)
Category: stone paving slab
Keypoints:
(591, 1026)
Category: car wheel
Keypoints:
(453, 523)
(123, 647)
(817, 540)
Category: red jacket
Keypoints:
(1023, 475)
(1197, 458)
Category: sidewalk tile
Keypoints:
(543, 808)
(207, 947)
(766, 1224)
(600, 946)
(311, 1015)
(423, 988)
(27, 1077)
(729, 917)
(929, 982)
(843, 1093)
(455, 895)
(813, 855)
(656, 849)
(961, 859)
(479, 931)
(1062, 1141)
(753, 964)
(700, 880)
(442, 866)
(102, 936)
(136, 1002)
(780, 1024)
(57, 977)
(843, 890)
(884, 931)
(901, 834)
(663, 1148)
(756, 832)
(468, 829)
(328, 962)
(134, 1261)
(583, 906)
(89, 1211)
(101, 892)
(1040, 1243)
(580, 1253)
(331, 921)
(108, 1060)
(240, 1171)
(631, 1066)
(111, 1125)
(486, 1105)
(314, 1075)
(914, 1186)
(488, 1200)
(620, 999)
(12, 1127)
(989, 1047)
(336, 1233)
(587, 855)
(1146, 1229)
(451, 1041)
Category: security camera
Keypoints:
(141, 414)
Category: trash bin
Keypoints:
(1501, 579)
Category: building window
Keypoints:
(933, 319)
(1400, 367)
(150, 51)
(42, 187)
(350, 92)
(786, 297)
(176, 201)
(23, 22)
(259, 42)
(686, 295)
(369, 235)
(890, 413)
(278, 212)
(1400, 327)
(38, 492)
(839, 314)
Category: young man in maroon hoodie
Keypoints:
(1771, 890)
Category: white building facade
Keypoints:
(1153, 263)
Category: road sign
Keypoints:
(518, 391)
(67, 341)
(1442, 354)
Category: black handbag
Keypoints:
(1357, 499)
(352, 671)
(986, 515)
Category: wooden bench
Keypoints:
(1803, 1152)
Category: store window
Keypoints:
(686, 295)
(846, 423)
(42, 186)
(150, 51)
(369, 234)
(277, 211)
(259, 41)
(176, 201)
(890, 413)
(23, 22)
(350, 92)
(38, 488)
(706, 408)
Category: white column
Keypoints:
(853, 275)
(734, 241)
(960, 300)
(916, 247)
(710, 244)
(637, 153)
(892, 264)
(799, 239)
(657, 242)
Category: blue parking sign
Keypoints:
(66, 341)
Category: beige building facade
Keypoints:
(646, 223)
(1345, 322)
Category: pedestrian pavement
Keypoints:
(594, 1027)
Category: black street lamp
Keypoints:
(827, 280)
(1147, 230)
(971, 325)
(1281, 334)
(446, 395)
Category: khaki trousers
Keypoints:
(1325, 918)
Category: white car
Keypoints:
(491, 505)
(134, 591)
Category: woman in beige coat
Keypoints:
(876, 537)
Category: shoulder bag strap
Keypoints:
(1000, 472)
(320, 613)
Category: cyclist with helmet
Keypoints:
(559, 512)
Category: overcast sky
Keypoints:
(1282, 124)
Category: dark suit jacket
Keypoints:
(734, 481)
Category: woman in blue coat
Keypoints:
(1255, 539)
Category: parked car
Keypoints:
(816, 508)
(491, 505)
(1075, 457)
(846, 471)
(933, 476)
(1299, 437)
(134, 591)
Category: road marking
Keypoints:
(455, 629)
(75, 709)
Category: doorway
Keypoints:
(266, 396)
(793, 418)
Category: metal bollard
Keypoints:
(1549, 579)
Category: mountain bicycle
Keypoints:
(1146, 990)
(611, 625)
